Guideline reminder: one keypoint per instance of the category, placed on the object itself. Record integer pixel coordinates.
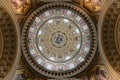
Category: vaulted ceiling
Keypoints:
(17, 16)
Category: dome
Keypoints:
(59, 39)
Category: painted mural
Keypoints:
(20, 6)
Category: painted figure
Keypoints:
(25, 75)
(95, 3)
(20, 5)
(100, 74)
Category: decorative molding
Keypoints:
(107, 42)
(108, 37)
(9, 44)
(10, 53)
(117, 34)
(1, 41)
(53, 0)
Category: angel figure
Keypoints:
(20, 5)
(100, 74)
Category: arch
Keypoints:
(107, 46)
(11, 41)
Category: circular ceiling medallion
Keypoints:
(59, 40)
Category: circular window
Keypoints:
(59, 40)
